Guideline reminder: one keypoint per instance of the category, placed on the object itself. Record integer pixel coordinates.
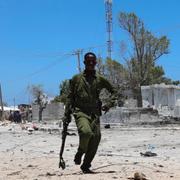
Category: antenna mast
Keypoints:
(108, 7)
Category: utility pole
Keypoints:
(108, 8)
(1, 102)
(14, 101)
(78, 53)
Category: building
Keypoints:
(164, 98)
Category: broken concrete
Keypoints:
(164, 98)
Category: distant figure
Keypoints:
(84, 103)
(17, 117)
(11, 118)
(29, 115)
(23, 114)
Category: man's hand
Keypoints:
(105, 108)
(66, 119)
(65, 125)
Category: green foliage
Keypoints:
(146, 50)
(100, 66)
(56, 99)
(64, 89)
(155, 75)
(176, 83)
(116, 74)
(170, 81)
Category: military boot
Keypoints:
(85, 169)
(77, 158)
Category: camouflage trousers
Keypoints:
(89, 135)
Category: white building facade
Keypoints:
(164, 98)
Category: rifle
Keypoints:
(64, 134)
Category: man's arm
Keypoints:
(69, 105)
(113, 97)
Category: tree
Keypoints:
(100, 67)
(176, 82)
(63, 93)
(115, 73)
(40, 98)
(5, 104)
(147, 49)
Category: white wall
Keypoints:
(166, 97)
(53, 111)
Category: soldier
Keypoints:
(84, 103)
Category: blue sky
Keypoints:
(37, 38)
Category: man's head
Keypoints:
(90, 61)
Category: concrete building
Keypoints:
(164, 98)
(53, 111)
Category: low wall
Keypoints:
(129, 115)
(121, 115)
(53, 111)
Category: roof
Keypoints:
(161, 86)
(12, 108)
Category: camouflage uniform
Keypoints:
(83, 101)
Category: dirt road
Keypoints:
(35, 156)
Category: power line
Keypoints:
(77, 52)
(64, 56)
(49, 66)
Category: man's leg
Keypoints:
(85, 134)
(92, 149)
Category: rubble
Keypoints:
(139, 176)
(117, 157)
(148, 154)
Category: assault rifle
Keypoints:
(64, 134)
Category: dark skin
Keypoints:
(90, 63)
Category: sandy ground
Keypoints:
(36, 156)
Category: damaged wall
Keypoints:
(165, 98)
(53, 111)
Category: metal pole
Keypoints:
(78, 56)
(78, 53)
(14, 103)
(108, 8)
(1, 102)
